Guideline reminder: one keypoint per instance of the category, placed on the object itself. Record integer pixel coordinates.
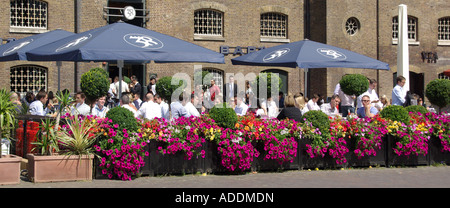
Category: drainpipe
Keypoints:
(378, 43)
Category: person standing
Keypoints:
(151, 87)
(190, 106)
(178, 109)
(164, 107)
(347, 101)
(125, 102)
(371, 92)
(398, 93)
(230, 90)
(149, 109)
(136, 87)
(214, 90)
(124, 88)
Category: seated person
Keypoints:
(330, 108)
(367, 110)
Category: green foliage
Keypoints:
(395, 113)
(417, 108)
(95, 83)
(261, 80)
(438, 92)
(78, 141)
(165, 88)
(354, 84)
(7, 114)
(124, 118)
(318, 119)
(224, 115)
(126, 79)
(47, 142)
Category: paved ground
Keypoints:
(418, 177)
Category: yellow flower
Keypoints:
(212, 138)
(260, 129)
(211, 130)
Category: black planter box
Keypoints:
(408, 160)
(213, 161)
(326, 162)
(436, 153)
(378, 160)
(262, 164)
(170, 164)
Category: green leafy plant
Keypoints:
(318, 119)
(165, 88)
(47, 142)
(78, 138)
(354, 84)
(417, 108)
(124, 118)
(64, 101)
(395, 113)
(266, 79)
(94, 84)
(7, 114)
(438, 92)
(224, 115)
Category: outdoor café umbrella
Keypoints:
(309, 54)
(447, 72)
(122, 42)
(16, 50)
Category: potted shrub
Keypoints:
(438, 92)
(9, 164)
(354, 84)
(94, 84)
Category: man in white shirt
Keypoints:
(100, 109)
(241, 108)
(330, 108)
(398, 93)
(37, 106)
(177, 108)
(149, 109)
(347, 101)
(80, 107)
(124, 88)
(372, 94)
(190, 106)
(112, 91)
(125, 102)
(164, 107)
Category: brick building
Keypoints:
(234, 27)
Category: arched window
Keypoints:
(273, 25)
(352, 26)
(28, 15)
(28, 78)
(412, 28)
(208, 22)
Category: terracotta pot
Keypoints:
(10, 169)
(59, 168)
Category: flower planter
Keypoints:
(262, 164)
(10, 169)
(436, 153)
(378, 160)
(327, 162)
(409, 160)
(59, 168)
(212, 162)
(170, 164)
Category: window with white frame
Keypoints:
(273, 25)
(28, 15)
(28, 78)
(208, 22)
(444, 29)
(412, 29)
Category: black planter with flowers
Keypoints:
(308, 162)
(394, 159)
(379, 159)
(438, 154)
(158, 163)
(264, 163)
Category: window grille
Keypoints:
(444, 28)
(352, 26)
(412, 28)
(273, 25)
(208, 22)
(28, 14)
(28, 78)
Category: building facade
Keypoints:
(235, 28)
